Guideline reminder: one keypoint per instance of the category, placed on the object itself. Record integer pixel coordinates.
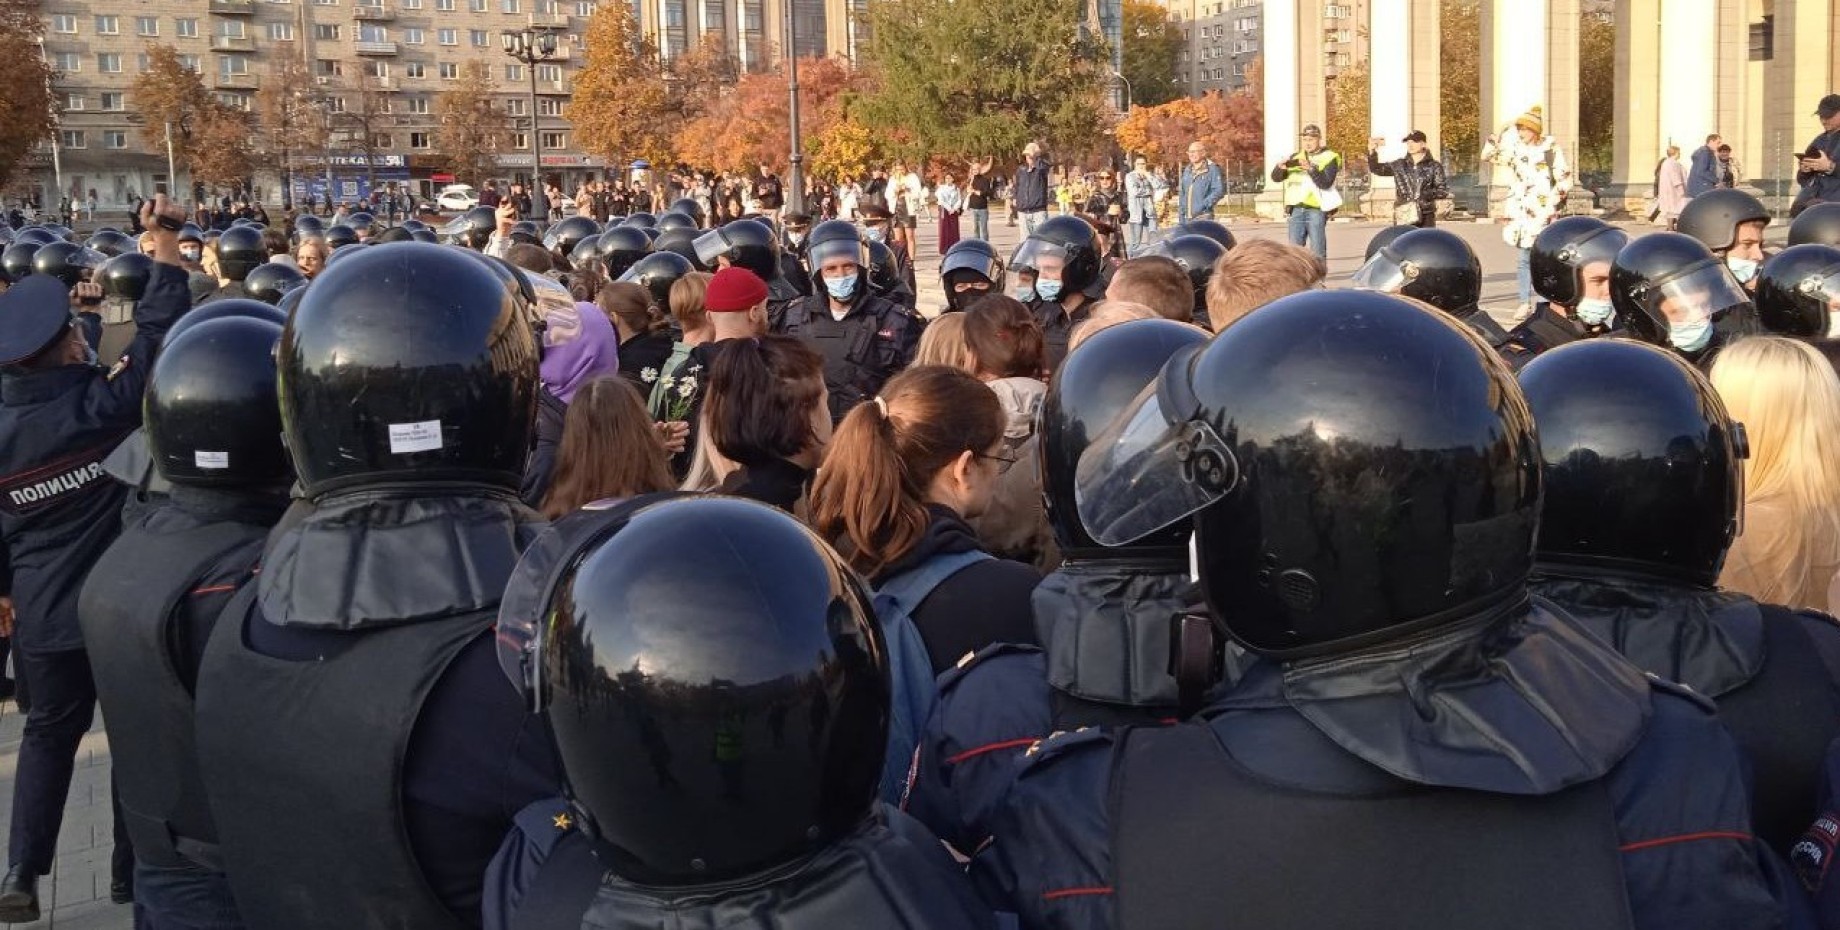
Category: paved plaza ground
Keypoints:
(76, 893)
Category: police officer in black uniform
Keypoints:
(1433, 746)
(707, 781)
(750, 244)
(796, 229)
(864, 339)
(1798, 294)
(1439, 268)
(621, 247)
(59, 417)
(351, 712)
(271, 281)
(1063, 252)
(1104, 617)
(1644, 496)
(124, 281)
(1818, 225)
(1670, 290)
(239, 252)
(1570, 265)
(1730, 222)
(562, 238)
(149, 606)
(970, 269)
(885, 279)
(1197, 254)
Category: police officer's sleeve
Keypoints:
(92, 328)
(6, 571)
(910, 338)
(116, 399)
(535, 832)
(1049, 858)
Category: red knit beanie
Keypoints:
(734, 290)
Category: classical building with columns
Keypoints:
(1751, 70)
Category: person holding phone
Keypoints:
(1818, 167)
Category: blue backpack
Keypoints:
(910, 669)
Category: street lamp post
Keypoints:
(795, 174)
(532, 46)
(1127, 89)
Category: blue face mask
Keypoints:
(1024, 294)
(1048, 288)
(1690, 337)
(1595, 311)
(1742, 268)
(876, 234)
(841, 288)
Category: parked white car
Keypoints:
(457, 197)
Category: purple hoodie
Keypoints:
(579, 346)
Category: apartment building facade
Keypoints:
(1221, 38)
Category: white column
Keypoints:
(1389, 91)
(1514, 68)
(1689, 72)
(1280, 43)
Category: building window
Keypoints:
(230, 65)
(335, 104)
(67, 62)
(325, 31)
(520, 140)
(418, 140)
(508, 6)
(281, 32)
(555, 140)
(412, 37)
(1337, 11)
(415, 69)
(189, 63)
(234, 101)
(108, 25)
(584, 9)
(64, 23)
(549, 106)
(328, 67)
(230, 28)
(550, 73)
(477, 6)
(368, 33)
(449, 36)
(114, 139)
(418, 106)
(450, 70)
(325, 2)
(377, 69)
(515, 107)
(73, 102)
(109, 62)
(514, 72)
(381, 141)
(478, 36)
(142, 63)
(411, 4)
(114, 101)
(185, 28)
(71, 138)
(445, 6)
(147, 26)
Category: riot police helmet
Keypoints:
(1064, 248)
(1563, 251)
(656, 273)
(339, 236)
(1212, 229)
(227, 307)
(767, 625)
(1641, 461)
(240, 250)
(271, 280)
(1714, 217)
(1097, 382)
(307, 224)
(525, 231)
(1817, 225)
(361, 221)
(111, 242)
(1197, 254)
(970, 269)
(1323, 424)
(1668, 289)
(885, 271)
(681, 241)
(413, 225)
(35, 235)
(68, 262)
(17, 260)
(621, 247)
(1432, 265)
(750, 244)
(834, 240)
(562, 238)
(211, 413)
(1798, 292)
(125, 276)
(425, 235)
(641, 220)
(409, 363)
(677, 220)
(394, 234)
(472, 229)
(60, 232)
(191, 233)
(1383, 238)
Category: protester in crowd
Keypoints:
(1157, 282)
(1109, 313)
(1201, 185)
(1256, 273)
(1788, 398)
(1731, 172)
(1670, 188)
(1418, 180)
(693, 322)
(579, 345)
(1541, 178)
(1008, 354)
(944, 343)
(310, 255)
(766, 410)
(951, 203)
(610, 449)
(645, 336)
(1704, 173)
(980, 190)
(1028, 196)
(904, 473)
(1310, 196)
(1142, 189)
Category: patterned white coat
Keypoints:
(1541, 179)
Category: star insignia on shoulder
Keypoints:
(120, 366)
(563, 821)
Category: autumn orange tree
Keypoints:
(752, 125)
(1228, 124)
(622, 106)
(473, 126)
(211, 139)
(25, 99)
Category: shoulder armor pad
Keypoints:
(545, 823)
(1657, 683)
(1062, 743)
(971, 660)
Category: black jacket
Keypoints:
(777, 482)
(1421, 182)
(540, 468)
(647, 350)
(983, 604)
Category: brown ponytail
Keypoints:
(630, 305)
(1005, 339)
(762, 399)
(869, 499)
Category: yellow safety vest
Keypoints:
(1299, 190)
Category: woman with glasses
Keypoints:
(904, 474)
(1008, 354)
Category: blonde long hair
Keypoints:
(1788, 398)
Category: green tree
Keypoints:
(1460, 97)
(623, 106)
(26, 107)
(1596, 93)
(968, 78)
(1152, 47)
(473, 128)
